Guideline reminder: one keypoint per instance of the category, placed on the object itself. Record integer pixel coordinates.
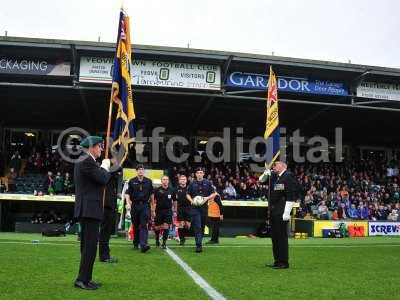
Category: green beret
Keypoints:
(91, 141)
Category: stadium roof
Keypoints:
(43, 102)
(197, 54)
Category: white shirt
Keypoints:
(280, 174)
(91, 155)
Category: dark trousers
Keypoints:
(198, 223)
(279, 236)
(89, 239)
(140, 219)
(107, 227)
(214, 224)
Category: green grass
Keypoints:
(47, 271)
(364, 268)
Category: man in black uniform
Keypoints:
(107, 225)
(90, 180)
(200, 187)
(139, 195)
(163, 203)
(282, 196)
(184, 207)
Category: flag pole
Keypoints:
(110, 108)
(119, 79)
(108, 131)
(268, 166)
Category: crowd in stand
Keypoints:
(364, 189)
(57, 181)
(40, 162)
(56, 185)
(232, 181)
(359, 190)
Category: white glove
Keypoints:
(106, 164)
(288, 209)
(205, 199)
(263, 177)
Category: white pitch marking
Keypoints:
(200, 281)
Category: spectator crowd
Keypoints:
(358, 189)
(232, 181)
(32, 169)
(362, 190)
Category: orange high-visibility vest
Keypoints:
(213, 209)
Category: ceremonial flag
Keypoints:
(272, 121)
(121, 93)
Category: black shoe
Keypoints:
(199, 249)
(157, 243)
(163, 246)
(83, 286)
(182, 242)
(281, 266)
(111, 260)
(96, 284)
(145, 249)
(272, 265)
(135, 247)
(211, 242)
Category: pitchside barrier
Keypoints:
(44, 198)
(383, 228)
(320, 225)
(316, 228)
(54, 198)
(241, 217)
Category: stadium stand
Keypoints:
(361, 189)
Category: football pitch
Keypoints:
(362, 268)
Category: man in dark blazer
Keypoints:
(90, 180)
(283, 192)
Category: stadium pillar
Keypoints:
(1, 137)
(233, 139)
(389, 154)
(1, 223)
(75, 83)
(201, 113)
(46, 138)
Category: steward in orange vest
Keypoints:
(215, 216)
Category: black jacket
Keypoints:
(283, 188)
(89, 180)
(111, 191)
